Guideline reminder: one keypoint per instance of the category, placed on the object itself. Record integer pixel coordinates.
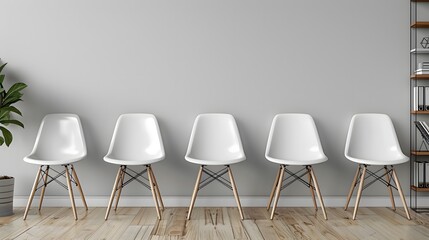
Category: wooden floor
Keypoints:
(214, 223)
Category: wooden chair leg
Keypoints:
(161, 203)
(401, 194)
(152, 188)
(277, 196)
(359, 193)
(69, 186)
(194, 194)
(352, 187)
(119, 191)
(79, 187)
(389, 188)
(33, 190)
(319, 195)
(45, 183)
(234, 189)
(274, 188)
(310, 181)
(115, 185)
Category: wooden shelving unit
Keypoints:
(420, 153)
(419, 77)
(419, 160)
(420, 51)
(419, 112)
(417, 189)
(420, 25)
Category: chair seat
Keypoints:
(214, 162)
(379, 162)
(45, 161)
(298, 162)
(128, 162)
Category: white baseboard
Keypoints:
(216, 201)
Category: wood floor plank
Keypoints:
(8, 219)
(87, 225)
(202, 225)
(15, 226)
(287, 217)
(397, 217)
(52, 227)
(252, 230)
(177, 223)
(145, 232)
(222, 223)
(214, 223)
(238, 229)
(320, 224)
(146, 217)
(273, 230)
(131, 232)
(116, 225)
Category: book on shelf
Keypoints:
(426, 99)
(415, 100)
(421, 177)
(423, 65)
(423, 129)
(421, 98)
(420, 102)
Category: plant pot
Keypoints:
(6, 196)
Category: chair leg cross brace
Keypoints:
(360, 178)
(212, 176)
(297, 176)
(151, 184)
(43, 175)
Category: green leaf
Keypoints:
(13, 109)
(16, 88)
(4, 113)
(2, 66)
(1, 141)
(13, 98)
(12, 121)
(1, 79)
(7, 135)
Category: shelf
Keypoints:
(420, 25)
(420, 50)
(417, 189)
(420, 153)
(419, 112)
(420, 77)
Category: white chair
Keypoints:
(60, 141)
(215, 141)
(136, 141)
(372, 140)
(294, 141)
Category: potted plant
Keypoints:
(8, 97)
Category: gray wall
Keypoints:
(176, 59)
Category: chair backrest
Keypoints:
(371, 136)
(60, 137)
(294, 136)
(136, 137)
(214, 137)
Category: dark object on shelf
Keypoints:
(425, 42)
